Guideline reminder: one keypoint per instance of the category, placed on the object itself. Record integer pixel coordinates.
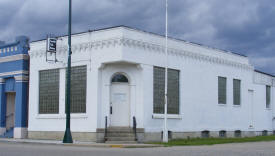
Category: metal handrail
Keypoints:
(105, 130)
(135, 127)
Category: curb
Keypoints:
(97, 145)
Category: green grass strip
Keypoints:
(212, 141)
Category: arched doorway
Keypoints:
(120, 101)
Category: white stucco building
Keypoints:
(118, 73)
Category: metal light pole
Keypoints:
(68, 136)
(165, 132)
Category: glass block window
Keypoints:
(222, 90)
(159, 87)
(237, 92)
(268, 97)
(172, 90)
(78, 89)
(49, 91)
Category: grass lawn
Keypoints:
(212, 141)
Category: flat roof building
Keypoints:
(118, 80)
(14, 76)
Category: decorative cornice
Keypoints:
(14, 73)
(151, 47)
(14, 58)
(263, 79)
(21, 78)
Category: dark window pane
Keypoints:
(49, 91)
(205, 134)
(222, 90)
(238, 133)
(222, 134)
(78, 89)
(268, 92)
(119, 78)
(237, 92)
(264, 133)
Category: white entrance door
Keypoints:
(120, 107)
(10, 111)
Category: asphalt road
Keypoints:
(244, 149)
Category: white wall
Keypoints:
(135, 53)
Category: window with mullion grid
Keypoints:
(237, 92)
(222, 90)
(172, 91)
(78, 89)
(49, 91)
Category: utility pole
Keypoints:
(68, 136)
(165, 132)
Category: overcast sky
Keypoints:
(242, 26)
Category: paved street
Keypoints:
(245, 149)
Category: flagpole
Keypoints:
(165, 133)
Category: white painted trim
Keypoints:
(14, 72)
(20, 132)
(21, 78)
(2, 80)
(169, 116)
(137, 44)
(57, 116)
(262, 79)
(14, 58)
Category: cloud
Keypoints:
(242, 26)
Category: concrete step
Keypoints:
(119, 134)
(120, 129)
(121, 142)
(120, 138)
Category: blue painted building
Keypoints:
(14, 76)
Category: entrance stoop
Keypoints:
(120, 135)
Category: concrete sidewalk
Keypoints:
(77, 143)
